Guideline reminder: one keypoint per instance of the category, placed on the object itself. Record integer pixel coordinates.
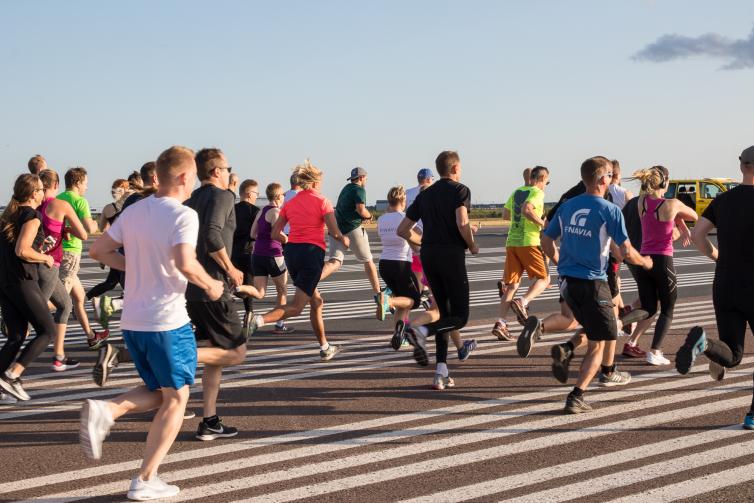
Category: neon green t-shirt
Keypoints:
(524, 232)
(81, 207)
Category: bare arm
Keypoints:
(272, 217)
(406, 230)
(90, 225)
(528, 211)
(105, 251)
(462, 222)
(683, 212)
(699, 235)
(184, 256)
(74, 224)
(548, 246)
(332, 229)
(253, 232)
(632, 256)
(363, 212)
(506, 214)
(24, 244)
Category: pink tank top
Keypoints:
(657, 236)
(54, 228)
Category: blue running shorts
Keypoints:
(163, 359)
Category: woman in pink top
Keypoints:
(308, 214)
(659, 218)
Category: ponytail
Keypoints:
(23, 190)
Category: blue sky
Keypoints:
(385, 85)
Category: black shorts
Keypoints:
(592, 306)
(242, 263)
(216, 322)
(264, 266)
(305, 262)
(399, 278)
(612, 278)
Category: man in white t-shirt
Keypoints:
(290, 194)
(425, 177)
(161, 261)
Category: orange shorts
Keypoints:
(524, 258)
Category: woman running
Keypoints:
(308, 214)
(658, 216)
(54, 212)
(21, 299)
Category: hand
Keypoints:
(474, 249)
(215, 290)
(474, 229)
(236, 276)
(346, 242)
(686, 238)
(49, 261)
(648, 264)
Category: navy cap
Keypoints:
(357, 172)
(425, 173)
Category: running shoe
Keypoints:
(248, 323)
(615, 378)
(500, 330)
(329, 353)
(749, 421)
(106, 311)
(107, 360)
(440, 383)
(189, 414)
(419, 342)
(528, 336)
(64, 364)
(696, 344)
(426, 302)
(283, 329)
(716, 371)
(466, 349)
(632, 351)
(6, 399)
(561, 359)
(96, 421)
(208, 431)
(155, 488)
(522, 313)
(576, 404)
(657, 358)
(98, 340)
(501, 289)
(14, 387)
(4, 328)
(383, 304)
(398, 335)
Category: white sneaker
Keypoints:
(6, 399)
(143, 490)
(657, 358)
(96, 421)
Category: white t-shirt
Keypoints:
(154, 296)
(394, 247)
(289, 194)
(410, 198)
(618, 194)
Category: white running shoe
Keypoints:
(6, 399)
(143, 490)
(657, 358)
(96, 421)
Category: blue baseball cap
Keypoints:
(425, 173)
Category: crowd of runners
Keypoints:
(183, 256)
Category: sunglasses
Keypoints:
(229, 168)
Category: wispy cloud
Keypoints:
(738, 52)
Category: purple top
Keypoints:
(264, 245)
(54, 228)
(657, 235)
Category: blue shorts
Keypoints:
(163, 359)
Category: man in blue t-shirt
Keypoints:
(589, 227)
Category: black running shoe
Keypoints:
(529, 336)
(576, 404)
(107, 360)
(419, 342)
(696, 344)
(217, 430)
(397, 339)
(14, 387)
(501, 289)
(561, 359)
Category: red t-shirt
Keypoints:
(306, 215)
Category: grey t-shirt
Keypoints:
(217, 222)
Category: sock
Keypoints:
(60, 358)
(325, 347)
(524, 301)
(422, 330)
(570, 345)
(9, 375)
(577, 391)
(117, 304)
(280, 324)
(212, 420)
(502, 320)
(442, 369)
(608, 369)
(259, 320)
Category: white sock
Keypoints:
(280, 324)
(442, 369)
(325, 347)
(501, 320)
(9, 375)
(117, 304)
(422, 330)
(260, 321)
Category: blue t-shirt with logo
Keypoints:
(585, 226)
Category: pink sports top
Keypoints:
(657, 236)
(54, 228)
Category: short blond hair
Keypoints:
(395, 195)
(171, 160)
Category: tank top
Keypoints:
(53, 228)
(657, 236)
(617, 194)
(264, 244)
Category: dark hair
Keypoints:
(616, 167)
(147, 171)
(294, 180)
(49, 178)
(207, 159)
(135, 181)
(246, 184)
(170, 159)
(593, 168)
(445, 162)
(74, 176)
(23, 190)
(35, 164)
(538, 173)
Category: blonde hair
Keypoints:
(307, 175)
(654, 178)
(395, 195)
(271, 190)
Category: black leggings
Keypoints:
(445, 270)
(658, 284)
(114, 277)
(23, 304)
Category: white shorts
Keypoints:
(359, 245)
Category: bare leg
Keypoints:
(510, 292)
(641, 327)
(300, 299)
(330, 267)
(591, 363)
(165, 427)
(609, 356)
(214, 359)
(78, 297)
(60, 339)
(371, 271)
(280, 287)
(536, 288)
(260, 283)
(317, 306)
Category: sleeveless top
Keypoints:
(53, 228)
(657, 236)
(264, 244)
(118, 208)
(617, 194)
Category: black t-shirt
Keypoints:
(574, 191)
(133, 198)
(633, 222)
(731, 212)
(217, 222)
(245, 215)
(13, 269)
(436, 208)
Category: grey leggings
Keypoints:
(53, 289)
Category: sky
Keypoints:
(385, 85)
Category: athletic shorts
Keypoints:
(263, 266)
(163, 359)
(305, 262)
(613, 274)
(592, 306)
(358, 244)
(216, 322)
(524, 258)
(69, 270)
(400, 279)
(242, 263)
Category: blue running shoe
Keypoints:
(696, 344)
(466, 350)
(383, 303)
(749, 421)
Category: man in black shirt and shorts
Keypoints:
(443, 209)
(733, 287)
(246, 212)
